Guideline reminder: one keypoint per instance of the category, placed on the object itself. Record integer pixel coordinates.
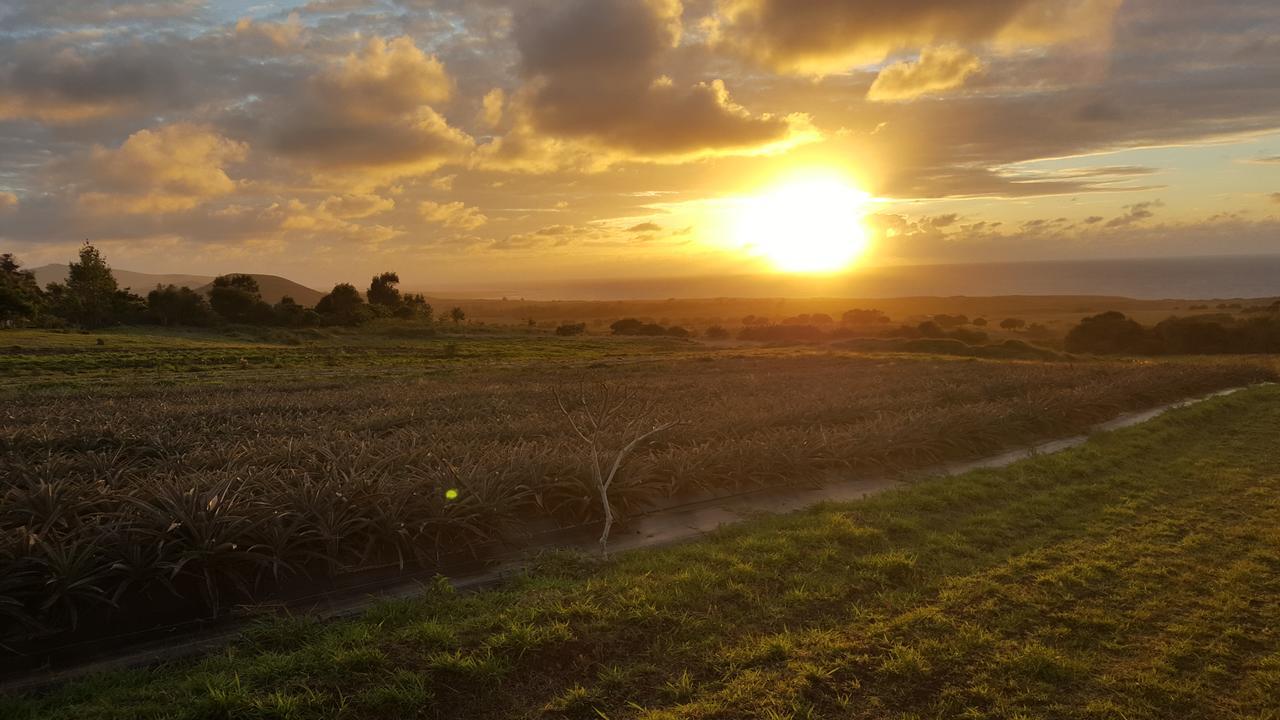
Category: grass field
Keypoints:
(168, 356)
(1137, 576)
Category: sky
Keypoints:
(481, 143)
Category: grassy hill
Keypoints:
(138, 282)
(274, 287)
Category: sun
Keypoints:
(807, 224)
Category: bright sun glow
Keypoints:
(810, 224)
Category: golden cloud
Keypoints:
(823, 36)
(356, 205)
(171, 168)
(937, 69)
(452, 215)
(280, 34)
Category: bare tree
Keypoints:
(611, 420)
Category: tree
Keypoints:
(415, 306)
(383, 291)
(1109, 332)
(343, 305)
(289, 313)
(1013, 323)
(858, 316)
(716, 332)
(457, 315)
(21, 299)
(611, 421)
(91, 298)
(173, 305)
(238, 299)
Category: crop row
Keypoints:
(173, 502)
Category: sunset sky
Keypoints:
(479, 142)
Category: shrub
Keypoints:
(571, 329)
(782, 333)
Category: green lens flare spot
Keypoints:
(451, 494)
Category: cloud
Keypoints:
(1134, 213)
(42, 14)
(280, 34)
(452, 215)
(645, 227)
(593, 71)
(167, 169)
(52, 83)
(367, 119)
(937, 69)
(359, 205)
(824, 36)
(492, 104)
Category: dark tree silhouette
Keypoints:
(343, 305)
(173, 305)
(91, 298)
(238, 298)
(383, 291)
(21, 299)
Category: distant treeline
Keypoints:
(1114, 333)
(91, 298)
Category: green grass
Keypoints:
(1137, 576)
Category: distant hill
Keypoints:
(273, 287)
(140, 283)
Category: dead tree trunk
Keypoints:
(611, 421)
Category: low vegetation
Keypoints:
(1136, 577)
(150, 501)
(1257, 330)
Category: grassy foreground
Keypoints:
(1135, 577)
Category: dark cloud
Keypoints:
(645, 227)
(54, 82)
(1135, 213)
(369, 116)
(594, 72)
